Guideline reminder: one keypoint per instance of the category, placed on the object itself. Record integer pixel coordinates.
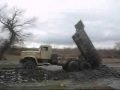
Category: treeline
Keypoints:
(104, 53)
(109, 53)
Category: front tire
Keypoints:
(29, 65)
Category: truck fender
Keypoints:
(24, 59)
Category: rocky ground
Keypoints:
(40, 74)
(55, 73)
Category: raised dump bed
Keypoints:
(85, 45)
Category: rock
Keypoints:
(25, 80)
(2, 76)
(61, 85)
(1, 81)
(38, 75)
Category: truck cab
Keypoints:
(30, 59)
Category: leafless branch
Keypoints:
(14, 25)
(28, 22)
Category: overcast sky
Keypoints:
(58, 17)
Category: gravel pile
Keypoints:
(38, 75)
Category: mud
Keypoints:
(93, 74)
(40, 74)
(25, 76)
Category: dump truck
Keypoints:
(89, 57)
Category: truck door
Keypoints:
(45, 53)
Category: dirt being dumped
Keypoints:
(93, 74)
(39, 75)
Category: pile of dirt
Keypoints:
(43, 74)
(39, 75)
(93, 74)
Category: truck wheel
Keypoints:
(29, 65)
(73, 66)
(84, 65)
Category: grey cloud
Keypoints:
(101, 28)
(54, 39)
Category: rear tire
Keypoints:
(84, 65)
(73, 66)
(29, 65)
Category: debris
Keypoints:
(39, 75)
(100, 72)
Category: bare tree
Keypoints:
(14, 23)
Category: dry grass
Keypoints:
(110, 60)
(15, 58)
